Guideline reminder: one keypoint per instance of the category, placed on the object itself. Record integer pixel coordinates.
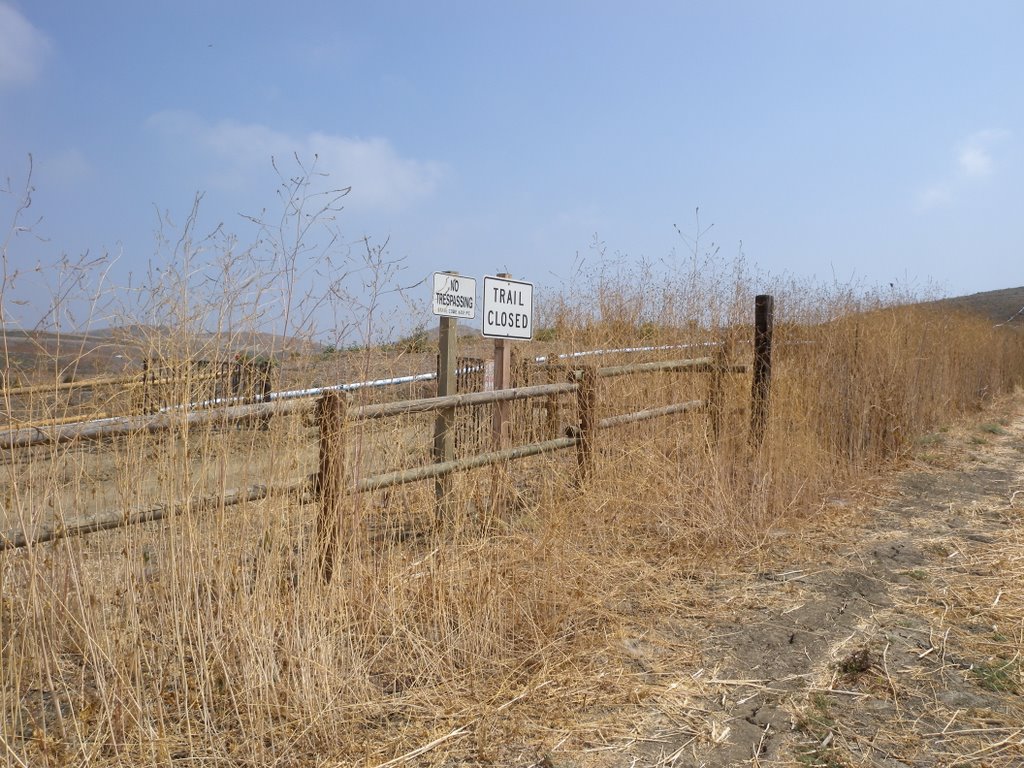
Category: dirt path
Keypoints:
(892, 635)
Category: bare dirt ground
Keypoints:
(889, 634)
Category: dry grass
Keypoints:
(511, 632)
(209, 639)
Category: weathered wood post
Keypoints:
(764, 312)
(502, 380)
(145, 386)
(236, 377)
(586, 406)
(501, 418)
(220, 386)
(266, 387)
(716, 388)
(267, 382)
(330, 481)
(453, 296)
(555, 371)
(444, 422)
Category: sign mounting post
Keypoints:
(507, 316)
(453, 297)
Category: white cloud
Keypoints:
(975, 160)
(236, 154)
(934, 196)
(23, 48)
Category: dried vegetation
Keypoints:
(512, 634)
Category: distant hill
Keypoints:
(1002, 306)
(122, 349)
(145, 337)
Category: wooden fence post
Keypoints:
(502, 380)
(551, 401)
(444, 423)
(268, 380)
(586, 404)
(330, 480)
(145, 386)
(236, 377)
(266, 387)
(764, 312)
(716, 388)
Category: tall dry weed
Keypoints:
(208, 638)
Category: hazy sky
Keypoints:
(875, 142)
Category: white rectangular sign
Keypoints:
(454, 295)
(508, 309)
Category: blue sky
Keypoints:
(871, 142)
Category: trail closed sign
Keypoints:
(507, 309)
(454, 295)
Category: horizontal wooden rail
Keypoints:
(427, 404)
(651, 413)
(401, 477)
(693, 365)
(137, 379)
(184, 378)
(35, 389)
(126, 382)
(132, 425)
(581, 382)
(428, 471)
(56, 421)
(110, 519)
(128, 425)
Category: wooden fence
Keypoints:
(334, 481)
(530, 418)
(160, 385)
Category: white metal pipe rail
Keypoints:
(169, 417)
(116, 518)
(129, 425)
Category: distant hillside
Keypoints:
(146, 337)
(122, 349)
(1003, 306)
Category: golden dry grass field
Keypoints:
(693, 602)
